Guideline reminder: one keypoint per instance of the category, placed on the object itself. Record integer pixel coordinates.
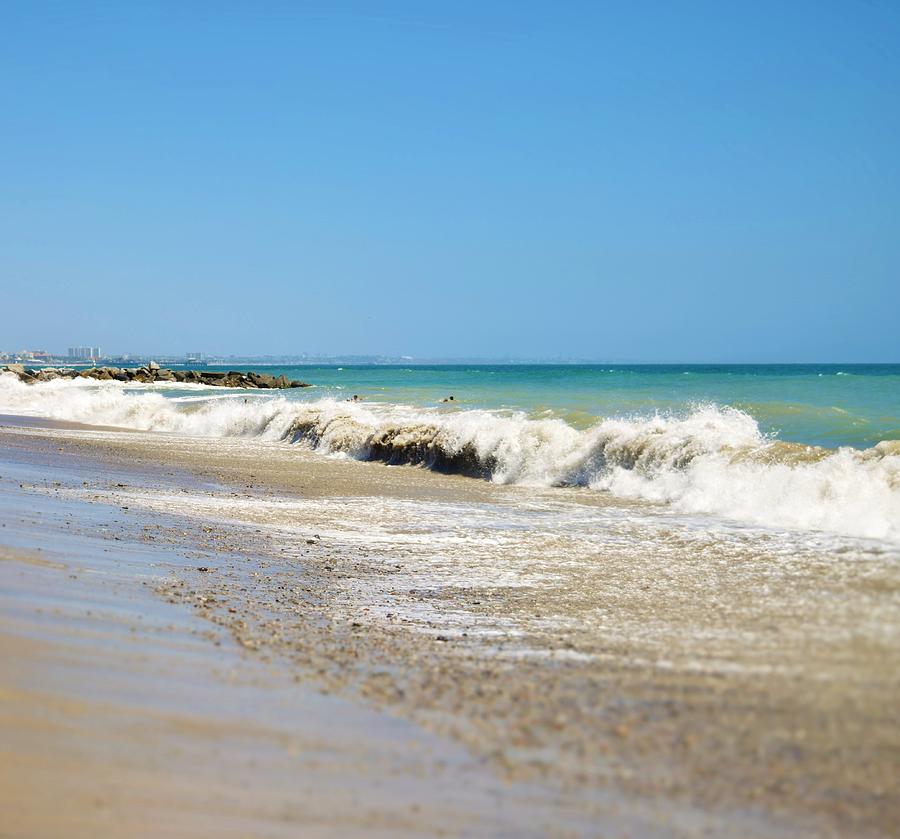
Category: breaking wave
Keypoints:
(713, 460)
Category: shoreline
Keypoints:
(712, 461)
(125, 714)
(613, 722)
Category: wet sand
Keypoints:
(633, 696)
(124, 715)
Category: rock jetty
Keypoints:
(152, 372)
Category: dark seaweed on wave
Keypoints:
(415, 445)
(304, 431)
(394, 447)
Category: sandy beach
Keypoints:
(123, 714)
(249, 638)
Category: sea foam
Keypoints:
(711, 460)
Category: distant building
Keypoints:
(84, 352)
(32, 355)
(193, 357)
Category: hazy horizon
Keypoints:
(384, 358)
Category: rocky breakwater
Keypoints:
(152, 372)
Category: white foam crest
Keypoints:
(845, 492)
(128, 406)
(714, 460)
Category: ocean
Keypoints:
(797, 447)
(822, 405)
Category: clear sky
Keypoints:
(690, 181)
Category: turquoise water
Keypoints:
(695, 438)
(826, 405)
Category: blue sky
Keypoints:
(624, 181)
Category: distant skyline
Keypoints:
(645, 182)
(175, 357)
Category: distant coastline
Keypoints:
(200, 360)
